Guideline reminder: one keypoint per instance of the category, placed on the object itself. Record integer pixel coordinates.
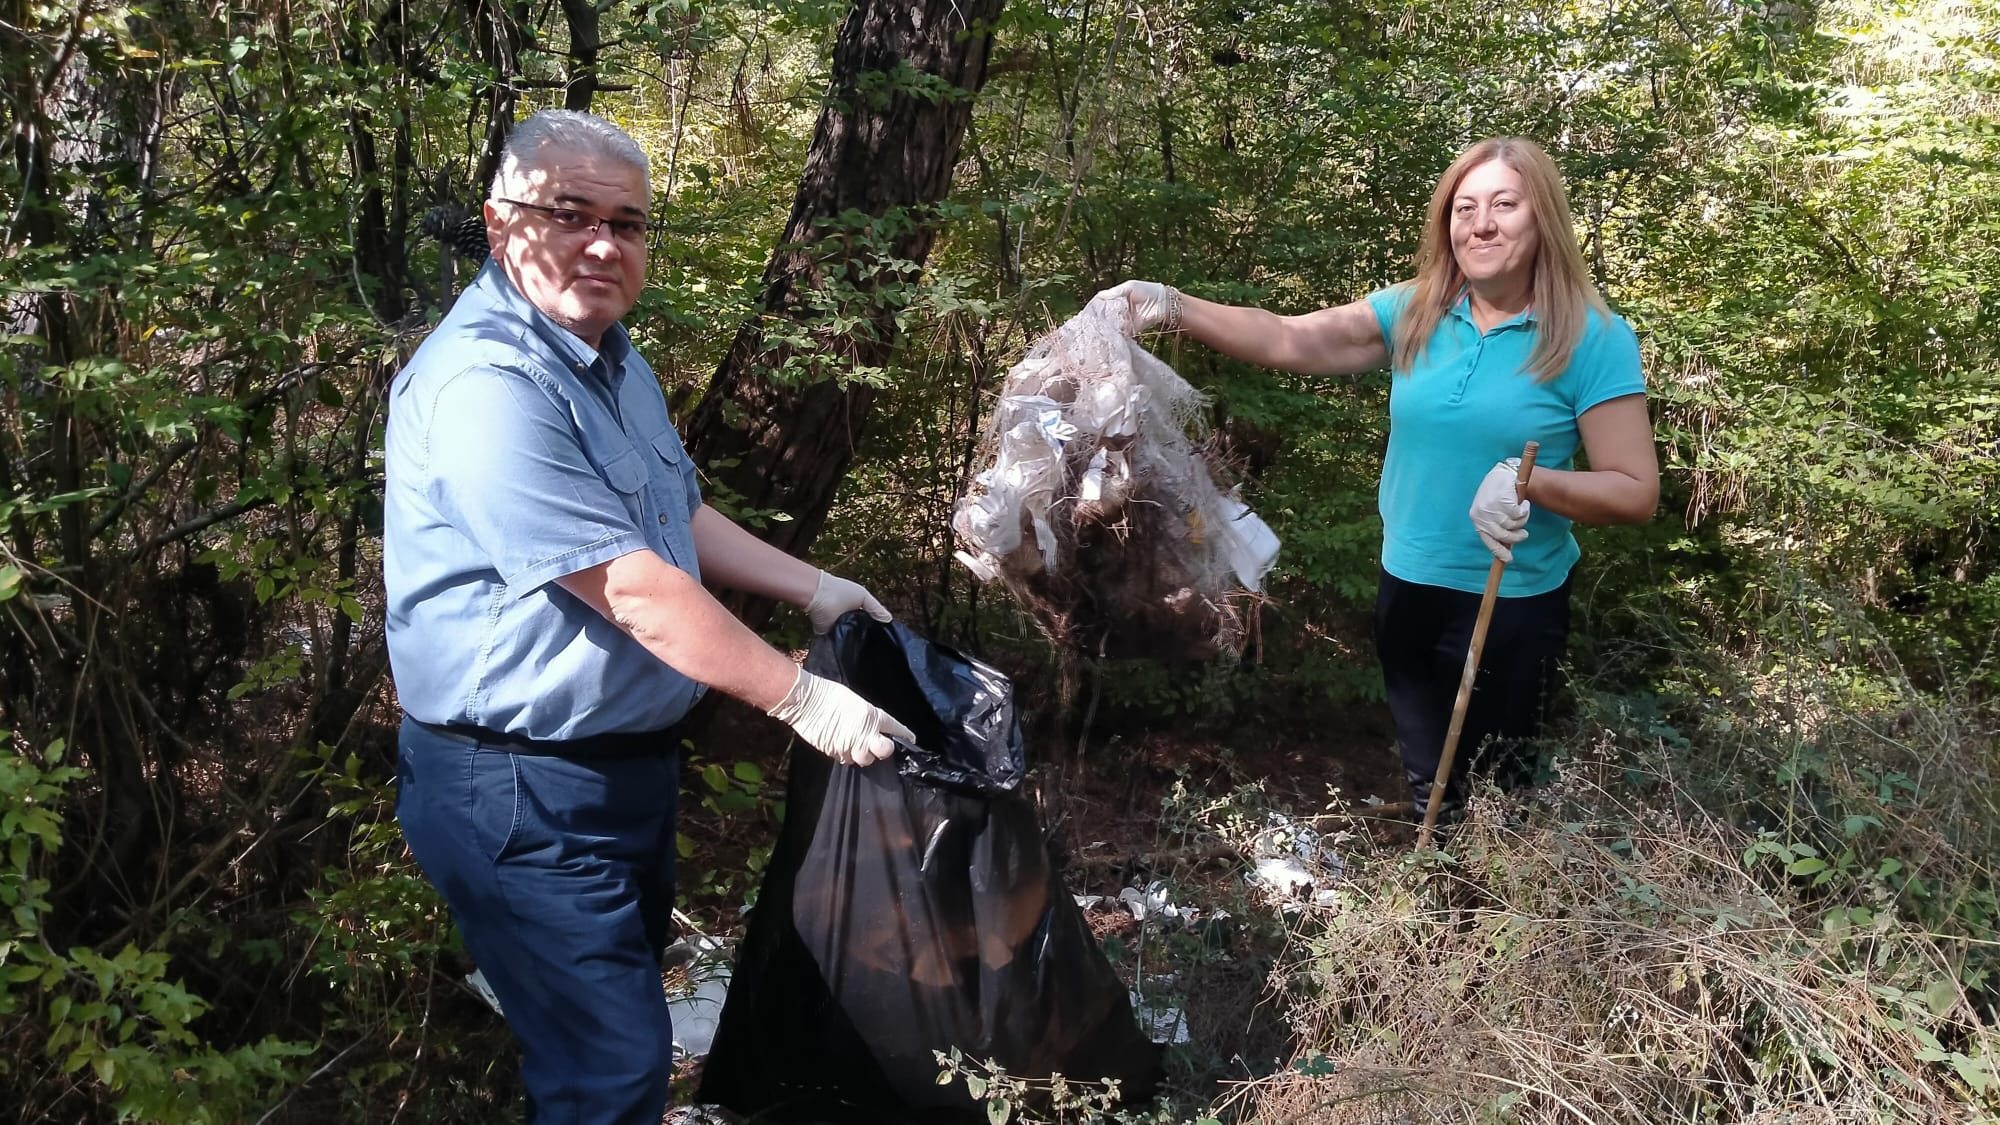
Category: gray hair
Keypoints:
(562, 130)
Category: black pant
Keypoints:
(1421, 636)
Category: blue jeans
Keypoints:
(559, 873)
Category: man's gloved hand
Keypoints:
(834, 596)
(1500, 516)
(839, 723)
(1147, 304)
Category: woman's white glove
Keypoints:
(1147, 304)
(834, 595)
(1500, 516)
(839, 723)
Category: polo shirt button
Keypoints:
(663, 517)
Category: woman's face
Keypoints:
(1493, 231)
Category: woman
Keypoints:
(1500, 339)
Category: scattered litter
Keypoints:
(696, 1014)
(1294, 863)
(697, 1009)
(1163, 1023)
(1153, 901)
(1099, 509)
(697, 1115)
(477, 983)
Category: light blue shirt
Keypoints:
(1468, 402)
(516, 455)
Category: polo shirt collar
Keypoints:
(562, 345)
(1462, 309)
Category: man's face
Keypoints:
(583, 279)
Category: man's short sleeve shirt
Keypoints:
(515, 455)
(1466, 403)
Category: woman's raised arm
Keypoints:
(1343, 340)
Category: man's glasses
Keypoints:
(569, 220)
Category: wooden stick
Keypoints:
(1465, 679)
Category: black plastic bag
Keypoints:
(910, 907)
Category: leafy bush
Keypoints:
(110, 1030)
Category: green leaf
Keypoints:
(998, 1111)
(1805, 867)
(975, 1085)
(1977, 1073)
(1940, 996)
(10, 581)
(748, 773)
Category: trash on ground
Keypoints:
(1294, 863)
(1153, 902)
(1164, 1023)
(697, 1012)
(476, 981)
(1099, 512)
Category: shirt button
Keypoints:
(663, 517)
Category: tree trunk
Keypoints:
(496, 28)
(584, 42)
(784, 404)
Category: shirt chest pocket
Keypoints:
(672, 500)
(625, 472)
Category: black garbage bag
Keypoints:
(910, 907)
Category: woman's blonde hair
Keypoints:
(1563, 292)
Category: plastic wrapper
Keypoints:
(910, 907)
(1098, 508)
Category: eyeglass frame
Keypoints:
(598, 222)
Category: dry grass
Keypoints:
(1598, 957)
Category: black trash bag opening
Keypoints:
(961, 711)
(912, 908)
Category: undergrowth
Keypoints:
(1762, 890)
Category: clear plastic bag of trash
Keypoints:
(909, 908)
(1098, 507)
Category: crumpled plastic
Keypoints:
(1098, 509)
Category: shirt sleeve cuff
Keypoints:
(541, 573)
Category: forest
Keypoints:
(1758, 879)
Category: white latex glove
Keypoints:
(834, 595)
(1500, 517)
(839, 723)
(1145, 304)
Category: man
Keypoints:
(544, 546)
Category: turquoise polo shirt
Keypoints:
(1467, 402)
